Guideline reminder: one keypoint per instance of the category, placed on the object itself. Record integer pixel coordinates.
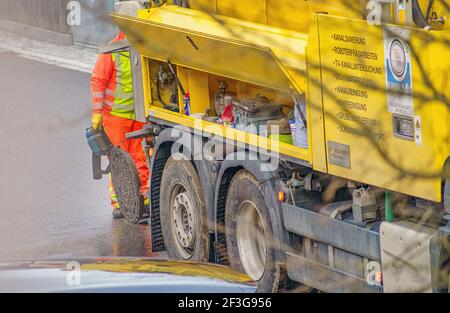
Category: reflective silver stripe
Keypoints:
(119, 93)
(109, 103)
(98, 105)
(125, 107)
(109, 92)
(98, 94)
(123, 95)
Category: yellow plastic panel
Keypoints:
(209, 6)
(253, 53)
(315, 108)
(438, 71)
(250, 10)
(357, 118)
(289, 14)
(293, 14)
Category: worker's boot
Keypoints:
(117, 214)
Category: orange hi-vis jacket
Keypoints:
(111, 84)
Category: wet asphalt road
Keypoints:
(50, 206)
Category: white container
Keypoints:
(298, 128)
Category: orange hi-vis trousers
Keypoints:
(116, 128)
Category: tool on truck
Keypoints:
(316, 147)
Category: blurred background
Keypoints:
(47, 20)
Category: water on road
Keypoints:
(49, 204)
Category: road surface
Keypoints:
(50, 206)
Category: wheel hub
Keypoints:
(183, 220)
(251, 240)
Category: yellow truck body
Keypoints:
(360, 127)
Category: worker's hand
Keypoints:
(97, 120)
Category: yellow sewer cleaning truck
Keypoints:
(305, 143)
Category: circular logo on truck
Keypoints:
(397, 59)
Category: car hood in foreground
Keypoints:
(121, 275)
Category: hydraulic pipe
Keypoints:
(389, 212)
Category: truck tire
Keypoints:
(249, 235)
(183, 212)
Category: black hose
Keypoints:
(158, 92)
(430, 6)
(174, 96)
(418, 17)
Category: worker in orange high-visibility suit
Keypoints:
(113, 108)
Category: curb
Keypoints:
(36, 33)
(48, 59)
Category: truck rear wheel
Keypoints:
(183, 212)
(249, 233)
